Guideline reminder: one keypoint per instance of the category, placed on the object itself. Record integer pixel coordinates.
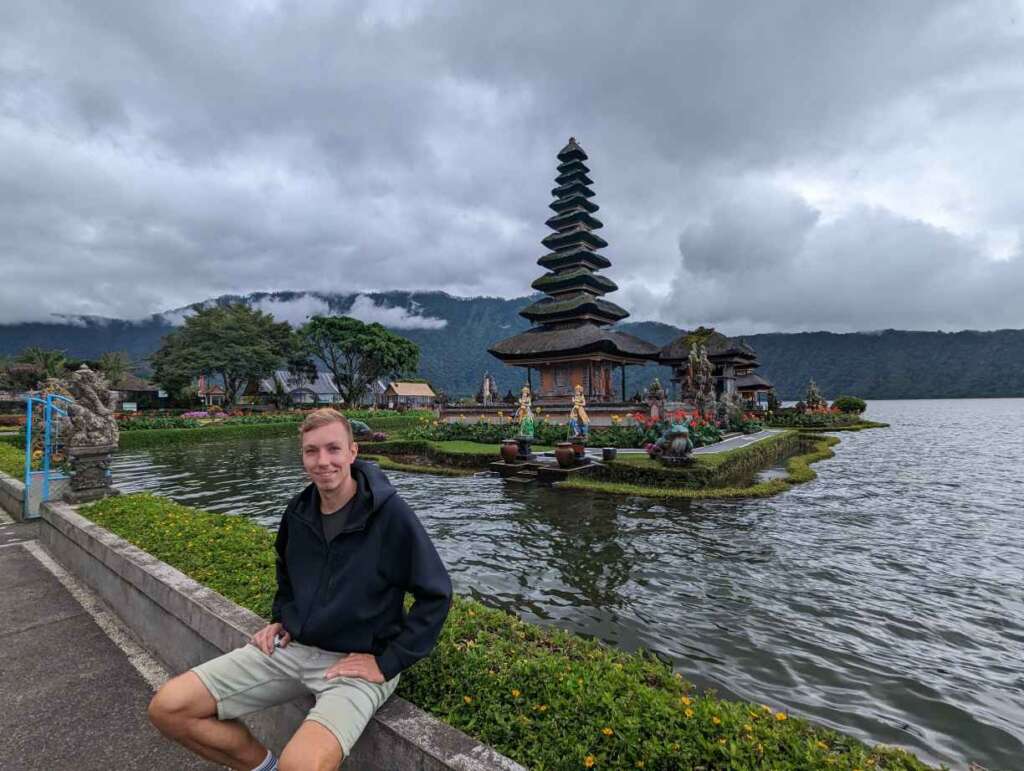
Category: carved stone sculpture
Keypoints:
(91, 436)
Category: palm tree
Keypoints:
(49, 363)
(114, 365)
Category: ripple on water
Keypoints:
(883, 600)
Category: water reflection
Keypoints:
(884, 599)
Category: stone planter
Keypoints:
(565, 454)
(580, 449)
(609, 453)
(509, 450)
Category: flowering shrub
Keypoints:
(195, 414)
(145, 424)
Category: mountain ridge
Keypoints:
(454, 333)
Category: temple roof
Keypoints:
(578, 278)
(573, 258)
(549, 310)
(580, 339)
(572, 151)
(752, 382)
(717, 344)
(576, 236)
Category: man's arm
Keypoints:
(284, 592)
(420, 571)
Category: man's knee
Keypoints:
(312, 748)
(179, 700)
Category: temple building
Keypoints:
(570, 342)
(733, 363)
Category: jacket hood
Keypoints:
(374, 488)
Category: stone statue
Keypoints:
(92, 436)
(813, 398)
(524, 415)
(656, 399)
(579, 421)
(702, 378)
(674, 445)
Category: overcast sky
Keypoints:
(759, 166)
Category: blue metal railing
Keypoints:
(49, 408)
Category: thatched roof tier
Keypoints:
(572, 202)
(583, 339)
(717, 344)
(752, 382)
(574, 258)
(577, 236)
(571, 152)
(573, 218)
(573, 176)
(579, 306)
(568, 280)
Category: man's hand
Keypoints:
(361, 665)
(264, 639)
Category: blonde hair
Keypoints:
(324, 417)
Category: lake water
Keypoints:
(884, 599)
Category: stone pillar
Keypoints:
(90, 473)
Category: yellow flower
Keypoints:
(721, 741)
(749, 728)
(541, 708)
(607, 731)
(515, 693)
(589, 761)
(716, 720)
(639, 764)
(822, 745)
(780, 715)
(686, 700)
(688, 713)
(467, 699)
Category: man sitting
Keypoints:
(348, 549)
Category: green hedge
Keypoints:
(544, 697)
(217, 432)
(798, 470)
(790, 418)
(713, 470)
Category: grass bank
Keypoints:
(546, 698)
(12, 460)
(862, 426)
(798, 471)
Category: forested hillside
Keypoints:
(876, 365)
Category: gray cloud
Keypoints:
(155, 155)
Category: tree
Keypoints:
(356, 354)
(852, 404)
(49, 363)
(114, 365)
(234, 343)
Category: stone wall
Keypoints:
(12, 496)
(184, 623)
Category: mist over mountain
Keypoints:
(454, 333)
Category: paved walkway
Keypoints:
(732, 443)
(73, 684)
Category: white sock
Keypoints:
(269, 763)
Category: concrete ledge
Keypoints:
(184, 623)
(12, 496)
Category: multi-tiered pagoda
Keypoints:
(570, 342)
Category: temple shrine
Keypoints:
(570, 342)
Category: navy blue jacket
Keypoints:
(347, 595)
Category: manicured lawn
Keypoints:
(475, 448)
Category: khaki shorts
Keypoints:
(247, 680)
